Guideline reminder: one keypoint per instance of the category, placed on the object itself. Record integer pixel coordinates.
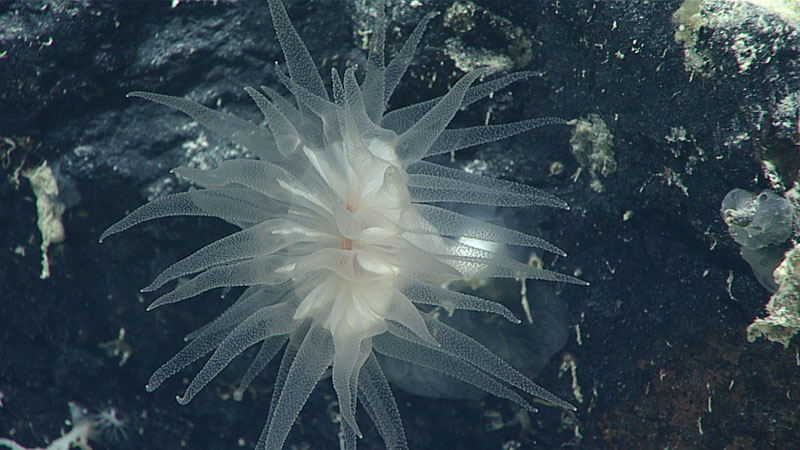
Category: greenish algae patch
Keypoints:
(593, 146)
(783, 320)
(49, 210)
(744, 23)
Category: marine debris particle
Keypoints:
(783, 307)
(49, 210)
(592, 144)
(570, 364)
(118, 348)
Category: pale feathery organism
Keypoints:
(339, 239)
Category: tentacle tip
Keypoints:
(105, 234)
(357, 431)
(134, 94)
(183, 400)
(149, 288)
(433, 342)
(351, 422)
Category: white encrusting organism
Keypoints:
(337, 244)
(105, 425)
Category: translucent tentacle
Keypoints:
(255, 138)
(301, 65)
(414, 143)
(456, 139)
(313, 358)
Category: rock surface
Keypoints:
(695, 98)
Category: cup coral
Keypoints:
(338, 241)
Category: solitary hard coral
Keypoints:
(338, 242)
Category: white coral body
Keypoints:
(337, 240)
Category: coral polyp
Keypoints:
(340, 244)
